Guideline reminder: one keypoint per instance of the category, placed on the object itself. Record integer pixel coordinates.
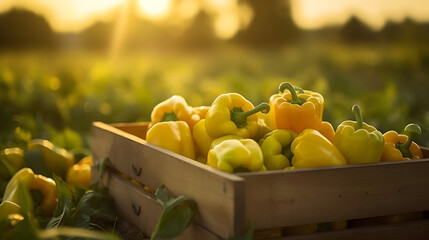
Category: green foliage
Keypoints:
(40, 99)
(77, 210)
(176, 215)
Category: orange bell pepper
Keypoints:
(296, 110)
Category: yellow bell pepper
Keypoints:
(7, 208)
(275, 148)
(12, 157)
(201, 138)
(232, 114)
(32, 182)
(80, 173)
(201, 111)
(358, 141)
(235, 154)
(401, 146)
(312, 149)
(174, 136)
(174, 109)
(264, 126)
(296, 110)
(57, 160)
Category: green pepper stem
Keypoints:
(263, 107)
(413, 131)
(295, 99)
(358, 116)
(300, 90)
(170, 116)
(240, 118)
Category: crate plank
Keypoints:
(219, 196)
(417, 230)
(138, 129)
(301, 196)
(141, 209)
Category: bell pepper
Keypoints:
(80, 173)
(312, 149)
(232, 114)
(174, 136)
(57, 160)
(43, 191)
(327, 131)
(201, 111)
(7, 208)
(275, 148)
(235, 154)
(296, 110)
(264, 126)
(201, 138)
(174, 109)
(12, 159)
(358, 141)
(401, 146)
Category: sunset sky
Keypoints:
(229, 15)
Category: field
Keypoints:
(57, 95)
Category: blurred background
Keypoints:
(67, 63)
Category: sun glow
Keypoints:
(311, 14)
(154, 9)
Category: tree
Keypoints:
(271, 26)
(20, 28)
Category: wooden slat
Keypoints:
(425, 152)
(138, 129)
(141, 209)
(301, 196)
(417, 230)
(219, 196)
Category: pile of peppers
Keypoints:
(30, 188)
(286, 133)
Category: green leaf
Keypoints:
(176, 216)
(93, 204)
(247, 236)
(55, 222)
(65, 197)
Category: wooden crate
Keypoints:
(273, 199)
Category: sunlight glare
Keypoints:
(310, 14)
(154, 9)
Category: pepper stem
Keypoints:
(240, 118)
(358, 116)
(413, 131)
(295, 99)
(171, 116)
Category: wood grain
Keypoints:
(417, 230)
(219, 196)
(301, 196)
(141, 209)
